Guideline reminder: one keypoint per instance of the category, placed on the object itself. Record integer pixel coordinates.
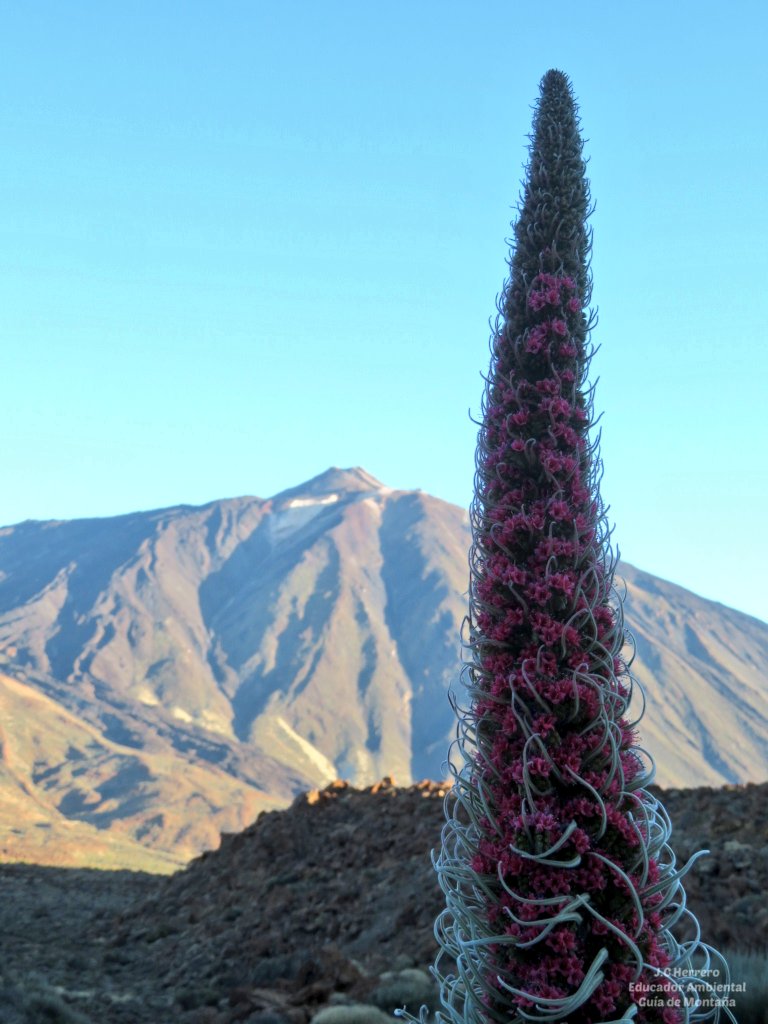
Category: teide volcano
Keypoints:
(168, 674)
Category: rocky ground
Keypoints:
(328, 904)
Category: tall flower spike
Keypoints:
(563, 896)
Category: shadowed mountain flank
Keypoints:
(424, 547)
(169, 674)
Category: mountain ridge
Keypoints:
(220, 658)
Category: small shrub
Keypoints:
(749, 970)
(409, 988)
(356, 1013)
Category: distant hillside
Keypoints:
(168, 674)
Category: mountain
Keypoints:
(169, 674)
(702, 666)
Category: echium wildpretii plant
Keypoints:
(562, 891)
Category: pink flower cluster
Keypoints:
(553, 290)
(557, 749)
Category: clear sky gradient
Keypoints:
(244, 241)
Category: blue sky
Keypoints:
(242, 242)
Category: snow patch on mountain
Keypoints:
(329, 499)
(294, 516)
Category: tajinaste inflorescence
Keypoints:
(563, 895)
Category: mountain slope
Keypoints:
(38, 802)
(213, 661)
(702, 666)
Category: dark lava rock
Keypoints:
(329, 904)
